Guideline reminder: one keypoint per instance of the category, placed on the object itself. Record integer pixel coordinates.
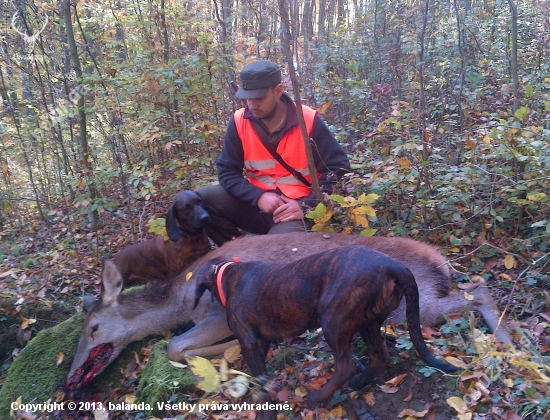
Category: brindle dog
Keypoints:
(344, 291)
(158, 258)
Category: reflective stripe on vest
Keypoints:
(263, 170)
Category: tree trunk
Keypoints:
(83, 140)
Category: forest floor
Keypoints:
(45, 270)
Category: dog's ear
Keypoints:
(204, 280)
(172, 227)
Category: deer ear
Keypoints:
(112, 282)
(89, 303)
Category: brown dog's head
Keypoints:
(206, 277)
(186, 216)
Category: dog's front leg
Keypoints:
(254, 352)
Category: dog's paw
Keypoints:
(360, 381)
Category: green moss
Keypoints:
(34, 376)
(159, 380)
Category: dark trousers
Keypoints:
(228, 214)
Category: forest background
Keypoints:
(110, 108)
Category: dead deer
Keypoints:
(117, 319)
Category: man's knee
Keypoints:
(287, 227)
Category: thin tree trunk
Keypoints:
(514, 53)
(285, 41)
(83, 140)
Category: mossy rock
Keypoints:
(159, 380)
(34, 376)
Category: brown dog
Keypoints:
(157, 258)
(344, 291)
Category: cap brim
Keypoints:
(251, 93)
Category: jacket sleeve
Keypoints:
(330, 159)
(230, 167)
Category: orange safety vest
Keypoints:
(263, 170)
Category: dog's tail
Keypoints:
(407, 283)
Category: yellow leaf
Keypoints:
(458, 404)
(26, 322)
(232, 353)
(404, 162)
(59, 359)
(509, 262)
(203, 368)
(368, 210)
(224, 370)
(337, 412)
(188, 276)
(456, 362)
(486, 139)
(368, 199)
(301, 391)
(412, 414)
(369, 398)
(468, 296)
(360, 220)
(129, 398)
(324, 108)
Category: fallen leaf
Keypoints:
(205, 369)
(397, 380)
(237, 387)
(388, 389)
(337, 412)
(411, 413)
(26, 322)
(188, 276)
(59, 359)
(456, 362)
(283, 394)
(177, 364)
(509, 262)
(232, 353)
(408, 397)
(458, 404)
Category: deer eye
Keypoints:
(94, 329)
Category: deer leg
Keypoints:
(434, 308)
(199, 339)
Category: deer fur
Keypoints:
(117, 319)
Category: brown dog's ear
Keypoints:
(172, 227)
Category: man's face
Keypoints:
(265, 107)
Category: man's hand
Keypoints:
(290, 210)
(269, 202)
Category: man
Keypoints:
(268, 198)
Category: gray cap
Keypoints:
(257, 78)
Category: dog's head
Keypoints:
(186, 216)
(205, 277)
